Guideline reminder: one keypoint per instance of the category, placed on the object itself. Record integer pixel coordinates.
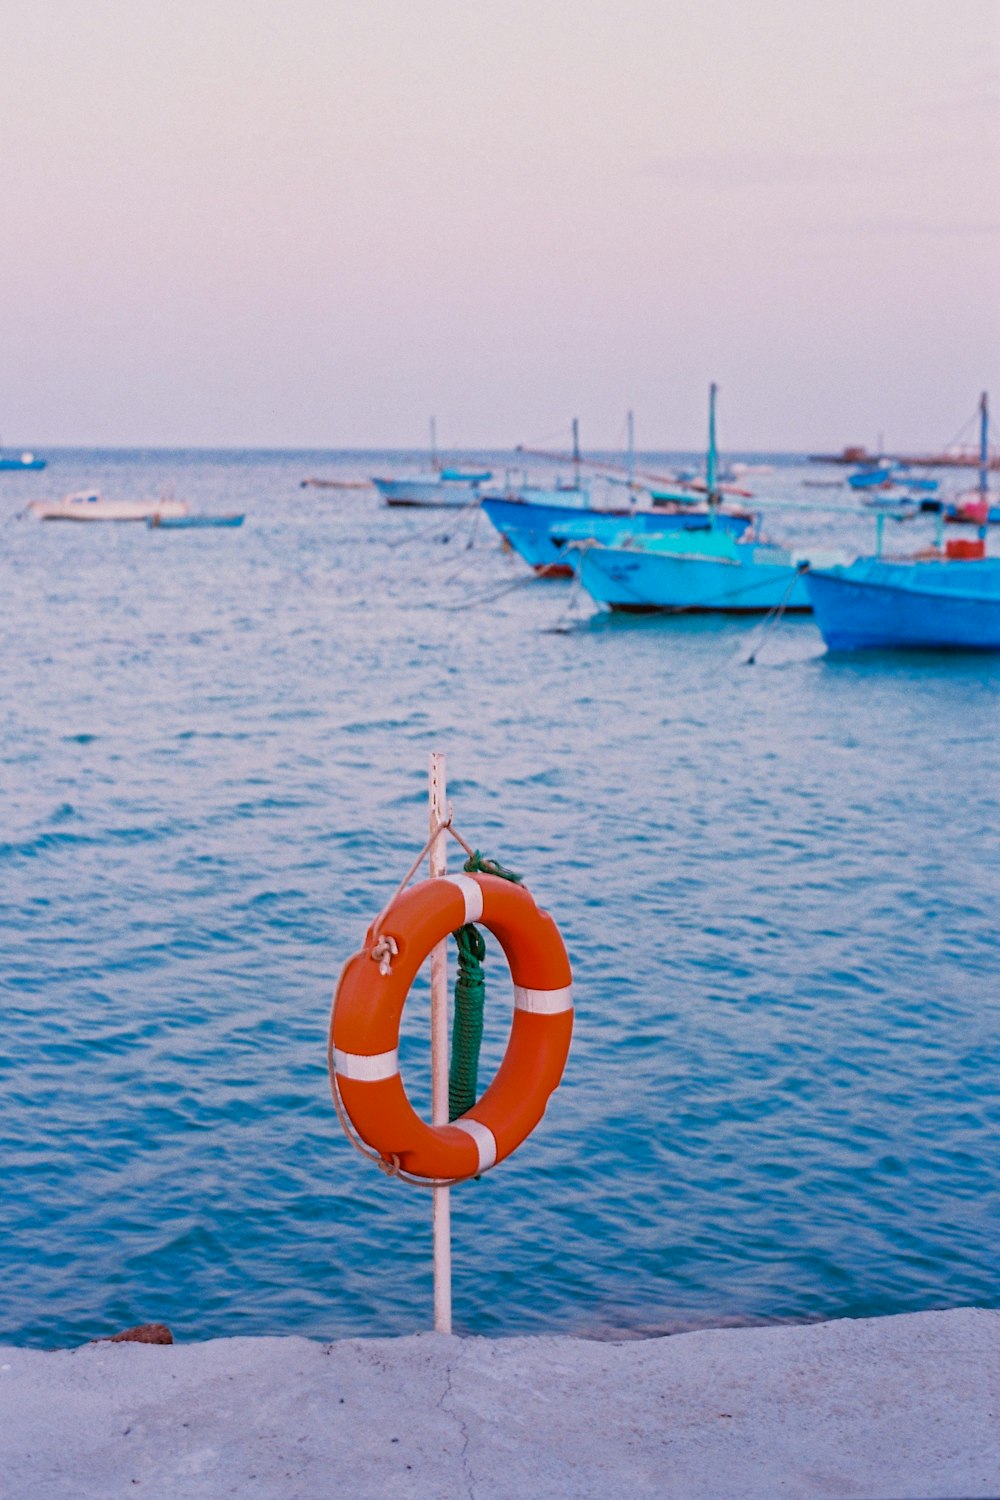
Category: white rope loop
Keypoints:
(383, 953)
(391, 1168)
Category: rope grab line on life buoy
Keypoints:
(363, 1045)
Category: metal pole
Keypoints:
(710, 461)
(439, 1056)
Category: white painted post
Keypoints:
(439, 1056)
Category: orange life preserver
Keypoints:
(368, 1007)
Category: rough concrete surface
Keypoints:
(878, 1409)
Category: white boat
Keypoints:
(439, 489)
(90, 505)
(449, 489)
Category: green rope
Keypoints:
(470, 994)
(479, 862)
(467, 1029)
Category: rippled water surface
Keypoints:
(778, 884)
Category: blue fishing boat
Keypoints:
(541, 530)
(683, 572)
(945, 598)
(545, 526)
(21, 462)
(703, 571)
(929, 603)
(159, 522)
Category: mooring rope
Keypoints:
(773, 617)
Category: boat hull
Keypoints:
(25, 462)
(183, 523)
(643, 583)
(533, 528)
(93, 508)
(931, 606)
(429, 494)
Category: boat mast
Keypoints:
(631, 453)
(984, 449)
(434, 444)
(710, 462)
(576, 452)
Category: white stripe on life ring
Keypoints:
(472, 893)
(543, 1002)
(370, 1069)
(484, 1138)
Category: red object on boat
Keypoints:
(964, 548)
(977, 512)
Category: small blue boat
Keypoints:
(178, 523)
(918, 484)
(871, 479)
(468, 476)
(21, 462)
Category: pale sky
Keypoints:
(317, 222)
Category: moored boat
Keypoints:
(21, 462)
(546, 527)
(710, 572)
(444, 491)
(442, 488)
(541, 531)
(943, 598)
(948, 603)
(879, 477)
(179, 523)
(90, 505)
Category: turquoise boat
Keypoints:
(709, 572)
(540, 525)
(160, 522)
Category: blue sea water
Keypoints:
(778, 885)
